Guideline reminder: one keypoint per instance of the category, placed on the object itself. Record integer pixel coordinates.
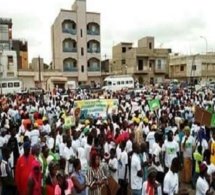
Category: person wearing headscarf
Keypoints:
(188, 147)
(51, 180)
(34, 180)
(23, 169)
(151, 186)
(64, 186)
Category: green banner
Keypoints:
(154, 104)
(213, 120)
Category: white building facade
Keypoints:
(8, 64)
(76, 48)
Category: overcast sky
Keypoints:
(175, 24)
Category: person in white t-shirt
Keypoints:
(113, 164)
(170, 149)
(171, 181)
(150, 140)
(202, 186)
(210, 166)
(123, 168)
(136, 171)
(157, 160)
(188, 147)
(34, 135)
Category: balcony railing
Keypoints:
(70, 69)
(70, 31)
(73, 50)
(93, 69)
(91, 32)
(91, 50)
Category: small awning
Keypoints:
(58, 79)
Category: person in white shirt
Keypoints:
(68, 154)
(210, 166)
(202, 186)
(136, 171)
(123, 169)
(34, 135)
(170, 150)
(113, 164)
(171, 181)
(150, 140)
(157, 160)
(88, 147)
(188, 147)
(151, 186)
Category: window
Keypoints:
(194, 67)
(126, 82)
(130, 82)
(182, 68)
(122, 82)
(109, 83)
(140, 64)
(123, 61)
(150, 45)
(150, 65)
(16, 84)
(82, 68)
(82, 51)
(10, 85)
(123, 49)
(4, 85)
(81, 32)
(118, 82)
(10, 59)
(158, 64)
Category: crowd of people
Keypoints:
(133, 150)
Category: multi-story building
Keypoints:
(21, 48)
(145, 62)
(8, 64)
(8, 57)
(76, 48)
(6, 33)
(193, 68)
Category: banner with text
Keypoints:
(95, 108)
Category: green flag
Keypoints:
(154, 104)
(213, 120)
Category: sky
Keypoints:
(174, 24)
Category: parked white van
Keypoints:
(118, 82)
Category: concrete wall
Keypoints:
(8, 69)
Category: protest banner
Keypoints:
(94, 108)
(154, 104)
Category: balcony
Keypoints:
(160, 71)
(70, 69)
(93, 69)
(70, 31)
(142, 71)
(93, 50)
(93, 32)
(70, 50)
(208, 73)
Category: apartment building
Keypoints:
(76, 47)
(146, 63)
(21, 48)
(8, 57)
(193, 68)
(6, 33)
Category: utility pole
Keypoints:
(39, 72)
